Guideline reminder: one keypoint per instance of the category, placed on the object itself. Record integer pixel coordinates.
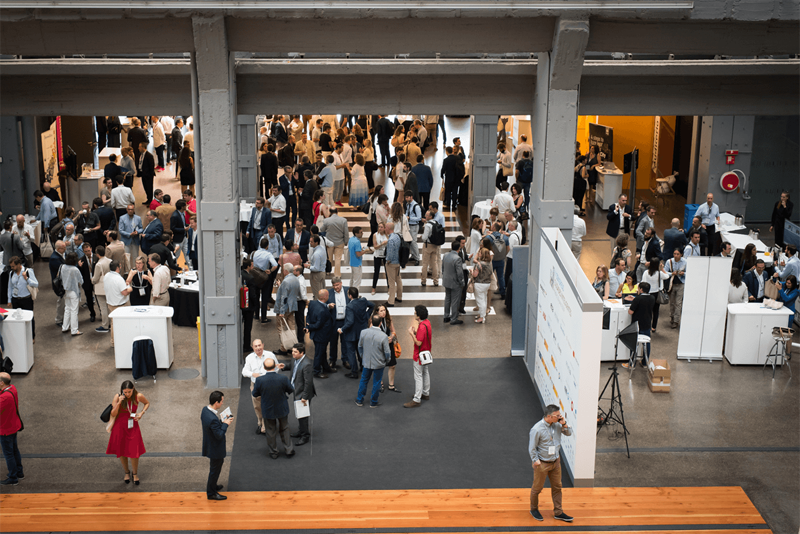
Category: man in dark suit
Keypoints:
(113, 131)
(303, 382)
(269, 169)
(191, 237)
(165, 251)
(357, 316)
(261, 217)
(301, 239)
(619, 219)
(152, 232)
(147, 171)
(137, 136)
(279, 131)
(112, 170)
(306, 207)
(651, 250)
(385, 131)
(273, 388)
(697, 227)
(755, 281)
(449, 171)
(338, 299)
(214, 443)
(319, 326)
(673, 238)
(107, 217)
(86, 267)
(102, 130)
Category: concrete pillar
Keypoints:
(555, 120)
(484, 157)
(247, 156)
(12, 184)
(31, 159)
(218, 207)
(718, 134)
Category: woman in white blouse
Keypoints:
(379, 241)
(655, 276)
(475, 237)
(737, 292)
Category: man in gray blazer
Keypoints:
(286, 303)
(373, 346)
(335, 228)
(453, 281)
(303, 381)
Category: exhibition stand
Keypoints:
(17, 332)
(567, 349)
(618, 318)
(609, 186)
(134, 321)
(748, 338)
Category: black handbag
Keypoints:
(58, 285)
(106, 415)
(662, 298)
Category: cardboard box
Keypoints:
(659, 368)
(658, 384)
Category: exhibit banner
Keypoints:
(603, 137)
(568, 340)
(705, 307)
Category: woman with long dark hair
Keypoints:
(387, 327)
(186, 163)
(126, 437)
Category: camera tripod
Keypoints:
(616, 399)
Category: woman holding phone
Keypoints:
(126, 438)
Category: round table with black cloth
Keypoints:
(186, 304)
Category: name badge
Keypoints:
(551, 450)
(130, 423)
(141, 292)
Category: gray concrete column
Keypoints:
(484, 157)
(218, 207)
(12, 184)
(555, 119)
(31, 159)
(718, 134)
(247, 156)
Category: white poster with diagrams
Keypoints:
(567, 367)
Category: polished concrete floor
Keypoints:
(720, 425)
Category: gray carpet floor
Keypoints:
(473, 433)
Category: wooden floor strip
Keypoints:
(685, 510)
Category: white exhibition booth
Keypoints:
(567, 352)
(705, 304)
(749, 335)
(131, 322)
(17, 332)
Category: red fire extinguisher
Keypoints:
(244, 297)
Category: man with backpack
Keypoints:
(500, 251)
(524, 175)
(432, 241)
(414, 214)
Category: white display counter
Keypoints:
(102, 157)
(17, 332)
(482, 209)
(608, 188)
(749, 333)
(133, 321)
(619, 318)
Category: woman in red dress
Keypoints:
(126, 438)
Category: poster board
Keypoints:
(705, 304)
(603, 137)
(567, 351)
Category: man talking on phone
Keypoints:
(544, 446)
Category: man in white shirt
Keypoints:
(121, 196)
(514, 234)
(338, 176)
(253, 368)
(117, 291)
(578, 231)
(347, 150)
(277, 206)
(168, 124)
(709, 218)
(161, 279)
(159, 141)
(503, 200)
(25, 233)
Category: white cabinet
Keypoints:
(749, 333)
(618, 319)
(17, 332)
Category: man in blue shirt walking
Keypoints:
(544, 447)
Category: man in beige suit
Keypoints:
(115, 251)
(100, 269)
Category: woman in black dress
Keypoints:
(579, 183)
(187, 167)
(591, 165)
(139, 278)
(781, 213)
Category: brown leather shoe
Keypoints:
(411, 404)
(426, 397)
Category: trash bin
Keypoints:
(688, 215)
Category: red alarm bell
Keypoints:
(729, 182)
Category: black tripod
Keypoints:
(616, 399)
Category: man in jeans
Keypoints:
(544, 447)
(10, 424)
(422, 336)
(373, 347)
(393, 278)
(414, 214)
